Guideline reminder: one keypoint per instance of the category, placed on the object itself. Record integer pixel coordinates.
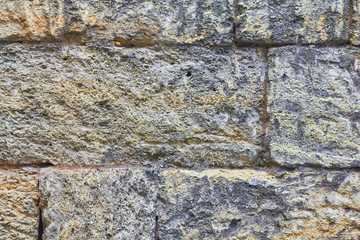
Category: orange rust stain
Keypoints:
(76, 28)
(32, 27)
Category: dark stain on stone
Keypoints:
(110, 156)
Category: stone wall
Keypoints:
(179, 119)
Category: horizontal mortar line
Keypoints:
(107, 44)
(235, 45)
(274, 45)
(127, 166)
(6, 166)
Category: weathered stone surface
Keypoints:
(252, 204)
(314, 106)
(355, 23)
(24, 20)
(140, 22)
(145, 21)
(289, 22)
(19, 198)
(188, 106)
(98, 204)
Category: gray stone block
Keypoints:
(98, 203)
(189, 106)
(314, 106)
(292, 22)
(253, 204)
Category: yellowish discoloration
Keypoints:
(319, 27)
(134, 23)
(192, 234)
(355, 23)
(324, 213)
(231, 175)
(142, 101)
(24, 20)
(19, 197)
(256, 25)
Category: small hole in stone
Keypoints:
(235, 222)
(188, 74)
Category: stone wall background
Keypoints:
(179, 119)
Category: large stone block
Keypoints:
(292, 22)
(314, 106)
(98, 204)
(19, 199)
(252, 204)
(145, 22)
(139, 22)
(188, 106)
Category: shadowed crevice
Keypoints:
(156, 228)
(40, 227)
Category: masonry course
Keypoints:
(179, 119)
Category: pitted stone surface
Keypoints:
(19, 198)
(292, 22)
(253, 204)
(140, 22)
(188, 106)
(98, 204)
(25, 20)
(355, 23)
(314, 106)
(143, 22)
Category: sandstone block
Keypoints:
(19, 198)
(146, 22)
(121, 22)
(292, 22)
(253, 204)
(188, 106)
(314, 106)
(25, 20)
(98, 204)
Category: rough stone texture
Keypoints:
(140, 22)
(314, 106)
(355, 23)
(146, 21)
(19, 198)
(292, 22)
(153, 85)
(252, 204)
(98, 204)
(173, 106)
(24, 20)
